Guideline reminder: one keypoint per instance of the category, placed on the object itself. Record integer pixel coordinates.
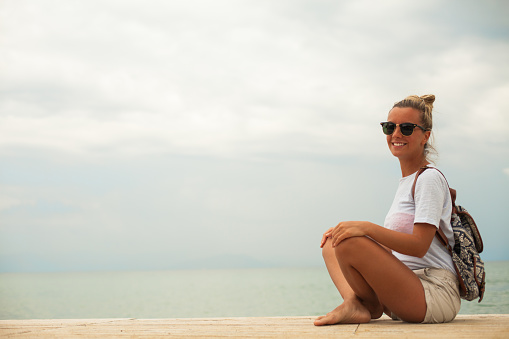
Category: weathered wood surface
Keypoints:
(464, 326)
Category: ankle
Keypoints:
(351, 299)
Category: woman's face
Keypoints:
(406, 147)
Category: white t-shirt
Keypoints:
(433, 206)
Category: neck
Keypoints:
(409, 167)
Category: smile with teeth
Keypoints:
(398, 144)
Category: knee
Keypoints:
(350, 246)
(344, 249)
(328, 250)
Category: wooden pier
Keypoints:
(464, 326)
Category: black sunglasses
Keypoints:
(406, 128)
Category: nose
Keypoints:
(397, 131)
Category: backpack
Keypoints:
(467, 246)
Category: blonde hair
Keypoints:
(423, 104)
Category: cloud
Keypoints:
(230, 120)
(128, 79)
(212, 86)
(8, 202)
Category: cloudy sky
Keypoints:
(140, 135)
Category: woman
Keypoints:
(401, 269)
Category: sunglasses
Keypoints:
(406, 128)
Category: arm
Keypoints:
(415, 244)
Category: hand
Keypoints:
(326, 235)
(348, 229)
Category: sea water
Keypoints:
(196, 293)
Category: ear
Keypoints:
(427, 135)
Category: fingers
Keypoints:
(325, 236)
(345, 230)
(337, 235)
(337, 240)
(324, 240)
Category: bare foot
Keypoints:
(349, 312)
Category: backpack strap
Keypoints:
(440, 233)
(451, 190)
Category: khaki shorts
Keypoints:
(441, 289)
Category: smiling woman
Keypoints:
(404, 144)
(399, 268)
(424, 105)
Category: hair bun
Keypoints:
(429, 99)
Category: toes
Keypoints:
(322, 320)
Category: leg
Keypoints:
(332, 264)
(351, 310)
(376, 276)
(367, 275)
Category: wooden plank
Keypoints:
(465, 326)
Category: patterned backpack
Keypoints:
(467, 246)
